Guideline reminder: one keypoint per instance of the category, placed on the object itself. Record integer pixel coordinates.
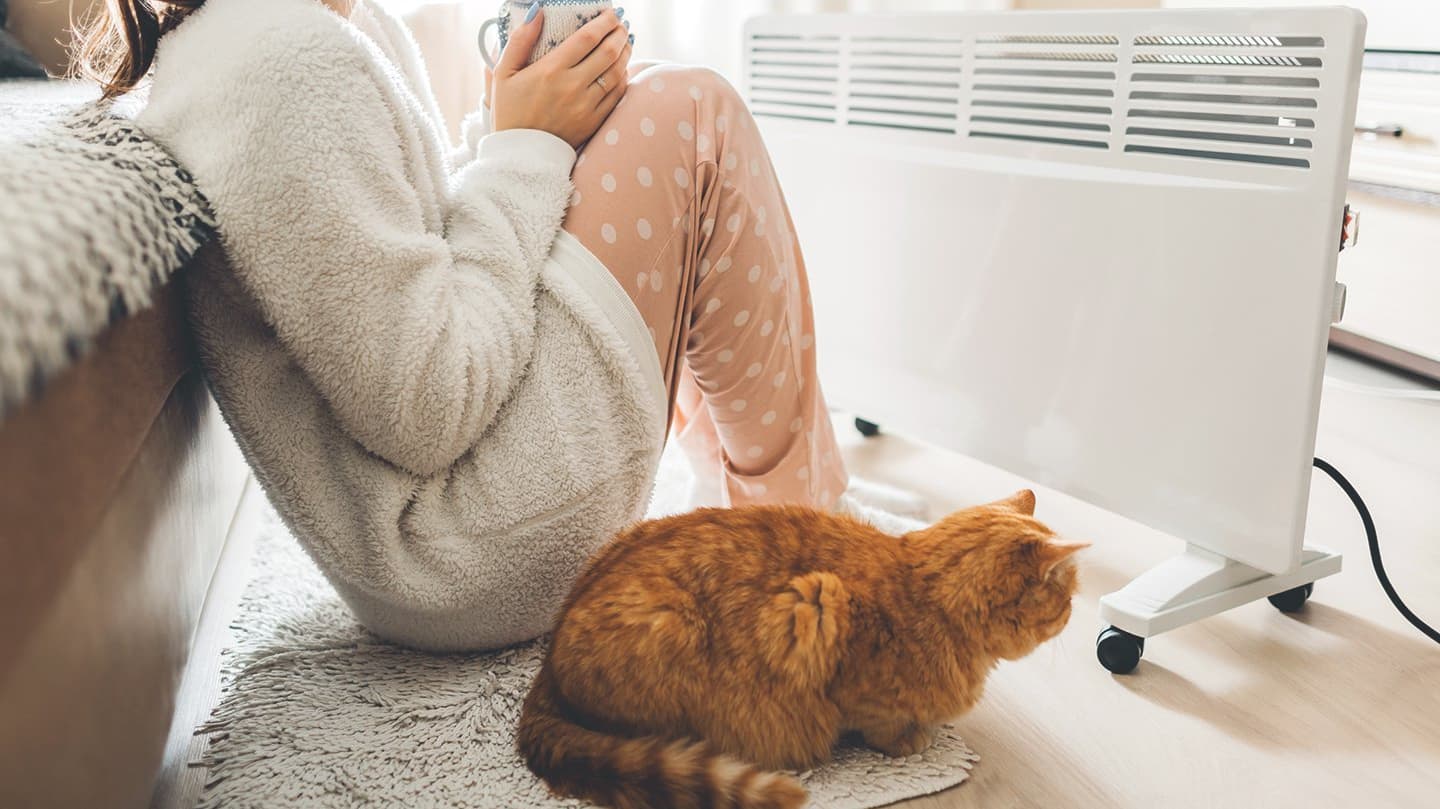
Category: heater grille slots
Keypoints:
(1048, 39)
(1046, 56)
(898, 82)
(795, 76)
(1226, 59)
(1226, 97)
(1055, 141)
(1247, 98)
(1201, 78)
(1231, 41)
(907, 83)
(1048, 74)
(1223, 117)
(1055, 89)
(1234, 137)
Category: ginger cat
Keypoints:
(698, 653)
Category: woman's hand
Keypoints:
(571, 90)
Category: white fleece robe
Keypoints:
(450, 401)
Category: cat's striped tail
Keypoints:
(639, 773)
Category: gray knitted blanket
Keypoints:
(94, 218)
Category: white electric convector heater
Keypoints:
(1096, 249)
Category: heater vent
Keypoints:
(1046, 56)
(1050, 39)
(1232, 41)
(905, 83)
(1056, 89)
(795, 76)
(1250, 98)
(1226, 59)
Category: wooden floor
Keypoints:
(1338, 706)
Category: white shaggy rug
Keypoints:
(318, 713)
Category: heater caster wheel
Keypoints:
(1119, 651)
(1292, 600)
(869, 429)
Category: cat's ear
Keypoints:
(1022, 502)
(1055, 551)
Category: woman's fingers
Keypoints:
(570, 91)
(521, 45)
(609, 102)
(580, 44)
(605, 54)
(615, 79)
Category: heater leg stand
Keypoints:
(1194, 585)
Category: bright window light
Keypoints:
(401, 6)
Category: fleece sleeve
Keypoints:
(410, 308)
(472, 130)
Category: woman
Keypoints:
(453, 372)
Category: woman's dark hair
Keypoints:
(116, 46)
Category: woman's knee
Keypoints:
(707, 81)
(670, 83)
(639, 66)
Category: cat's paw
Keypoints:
(803, 627)
(820, 598)
(905, 740)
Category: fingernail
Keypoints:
(632, 39)
(627, 25)
(620, 12)
(534, 9)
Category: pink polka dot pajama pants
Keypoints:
(677, 196)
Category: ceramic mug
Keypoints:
(562, 18)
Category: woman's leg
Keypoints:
(677, 196)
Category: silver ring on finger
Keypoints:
(601, 83)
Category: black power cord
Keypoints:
(1375, 560)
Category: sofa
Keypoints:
(121, 492)
(120, 488)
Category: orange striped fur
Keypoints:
(699, 653)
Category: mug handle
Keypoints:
(485, 54)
